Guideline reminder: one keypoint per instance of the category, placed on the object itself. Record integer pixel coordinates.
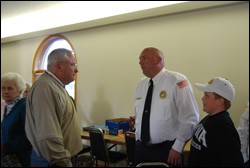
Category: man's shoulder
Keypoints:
(174, 76)
(44, 80)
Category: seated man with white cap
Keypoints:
(216, 142)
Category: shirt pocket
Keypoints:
(162, 109)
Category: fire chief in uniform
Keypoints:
(172, 115)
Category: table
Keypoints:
(187, 146)
(186, 151)
(120, 139)
(113, 139)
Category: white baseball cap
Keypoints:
(220, 86)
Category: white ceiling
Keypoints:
(32, 16)
(11, 9)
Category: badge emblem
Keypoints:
(163, 94)
(210, 82)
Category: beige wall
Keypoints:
(200, 44)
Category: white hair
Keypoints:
(15, 77)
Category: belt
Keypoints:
(158, 145)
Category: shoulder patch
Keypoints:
(182, 84)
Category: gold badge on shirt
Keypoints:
(163, 94)
(210, 82)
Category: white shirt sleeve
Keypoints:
(243, 131)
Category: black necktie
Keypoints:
(146, 115)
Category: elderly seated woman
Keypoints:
(13, 137)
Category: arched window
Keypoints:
(40, 60)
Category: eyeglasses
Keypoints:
(73, 65)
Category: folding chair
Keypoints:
(75, 160)
(81, 155)
(99, 150)
(130, 148)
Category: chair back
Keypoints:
(98, 145)
(130, 147)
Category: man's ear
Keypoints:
(59, 65)
(159, 60)
(221, 100)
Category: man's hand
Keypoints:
(132, 123)
(174, 158)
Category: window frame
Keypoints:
(37, 67)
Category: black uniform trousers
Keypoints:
(152, 152)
